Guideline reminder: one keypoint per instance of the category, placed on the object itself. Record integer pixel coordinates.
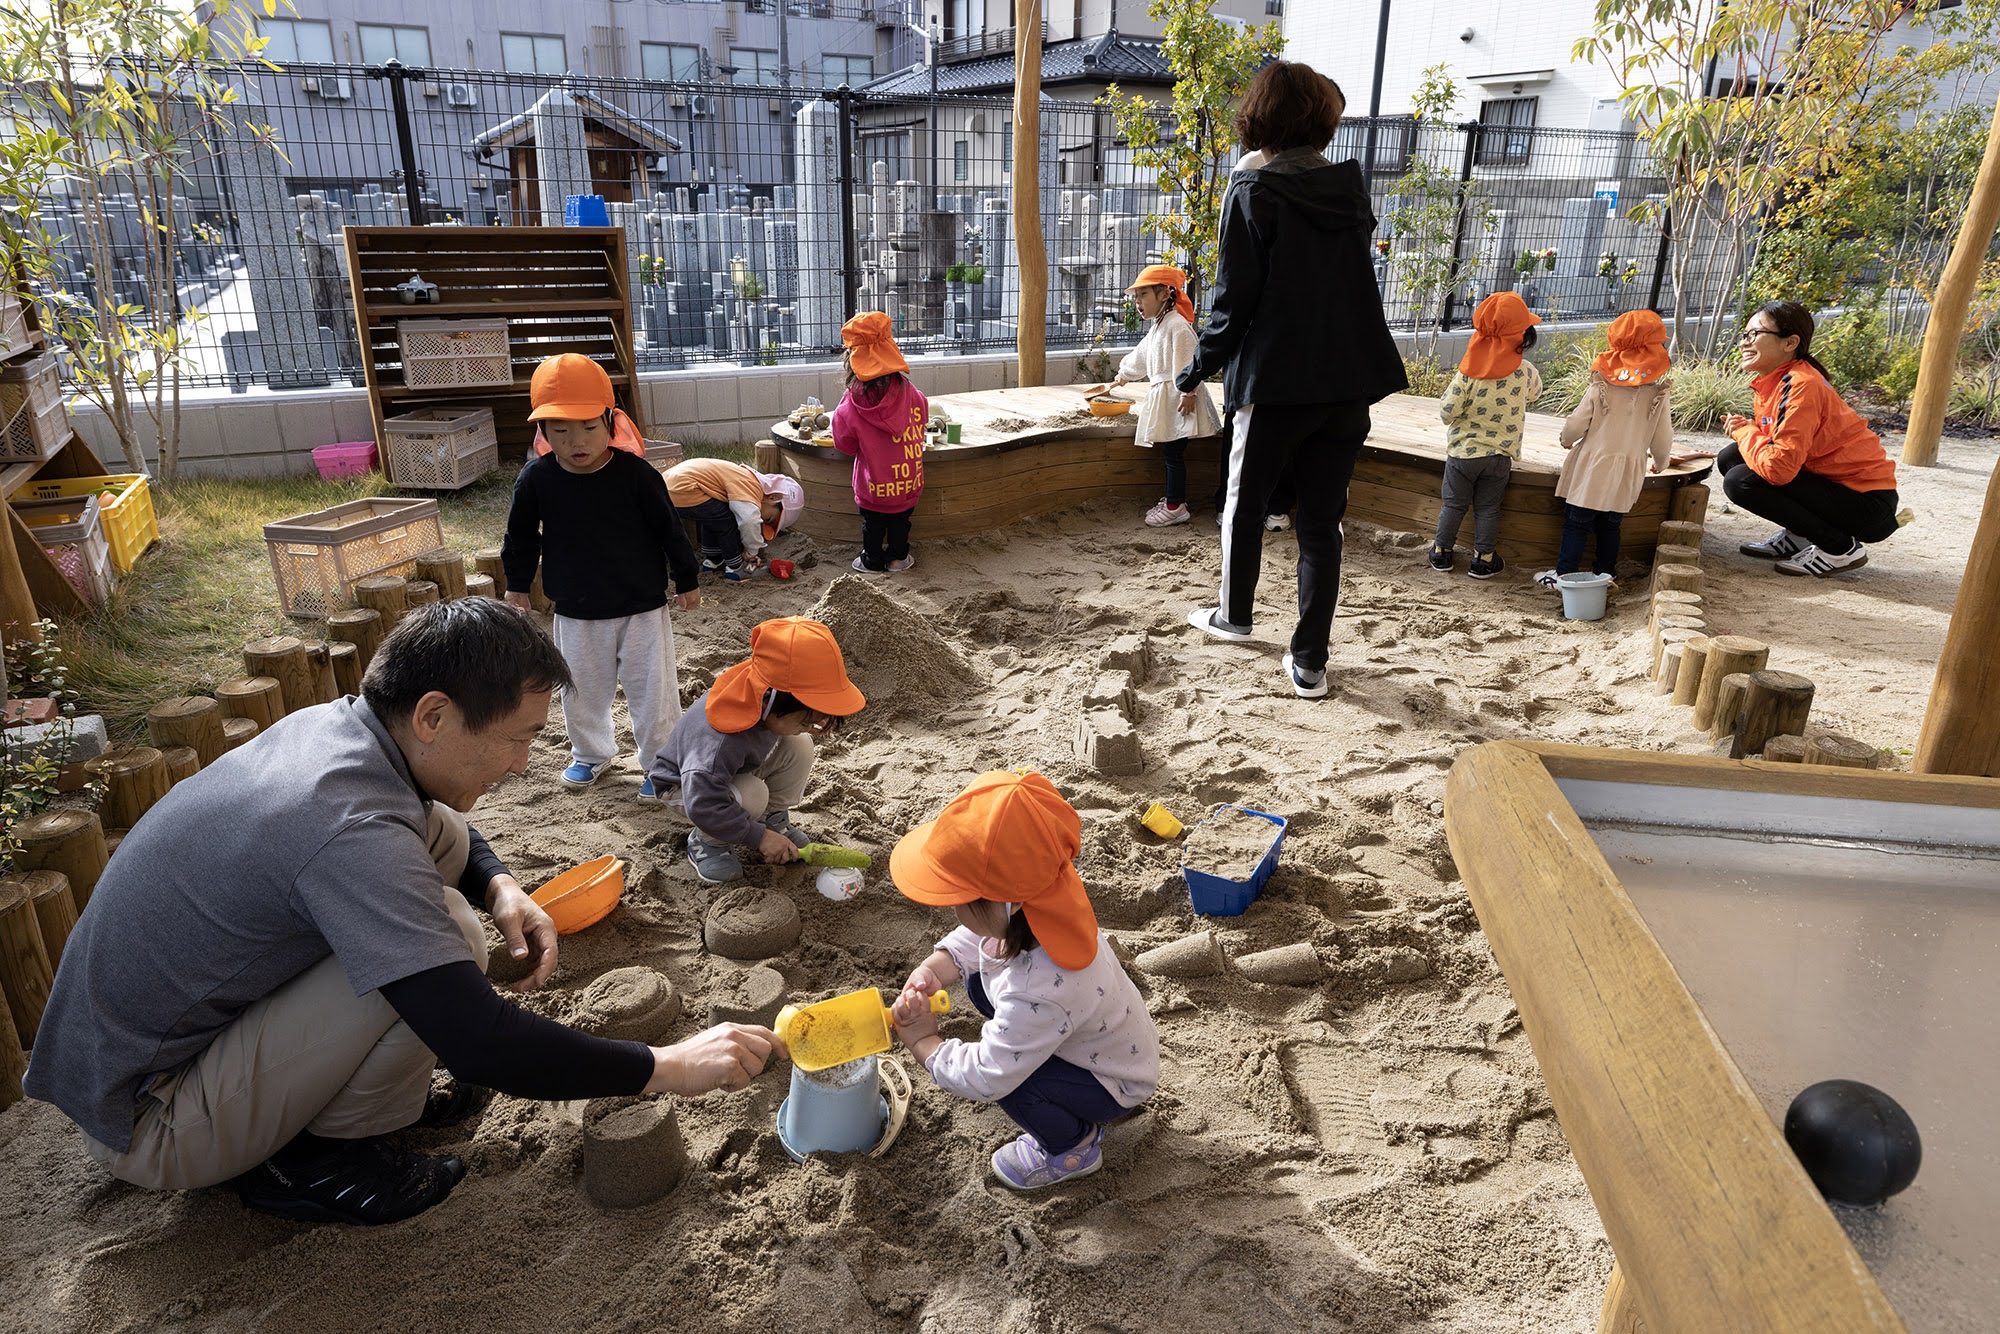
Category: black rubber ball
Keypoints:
(1855, 1141)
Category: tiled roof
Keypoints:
(1093, 59)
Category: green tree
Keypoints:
(115, 97)
(1433, 211)
(1193, 148)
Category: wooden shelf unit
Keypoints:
(560, 289)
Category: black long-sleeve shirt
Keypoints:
(606, 540)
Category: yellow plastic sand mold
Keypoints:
(846, 1028)
(1161, 821)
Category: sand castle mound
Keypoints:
(892, 651)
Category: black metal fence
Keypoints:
(757, 217)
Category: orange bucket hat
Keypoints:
(792, 654)
(1638, 352)
(1166, 275)
(1009, 837)
(1495, 350)
(871, 346)
(570, 387)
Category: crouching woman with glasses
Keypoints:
(1805, 460)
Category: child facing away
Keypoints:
(1484, 410)
(1068, 1044)
(599, 524)
(879, 423)
(1624, 416)
(737, 510)
(741, 754)
(1160, 293)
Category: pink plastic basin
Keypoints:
(351, 458)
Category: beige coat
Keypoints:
(1609, 436)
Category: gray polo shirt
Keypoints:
(309, 841)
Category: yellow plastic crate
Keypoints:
(124, 507)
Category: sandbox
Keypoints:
(1692, 942)
(1025, 452)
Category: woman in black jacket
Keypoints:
(1296, 327)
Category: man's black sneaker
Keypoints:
(358, 1181)
(451, 1101)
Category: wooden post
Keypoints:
(346, 668)
(325, 688)
(236, 731)
(487, 562)
(1674, 554)
(1688, 502)
(70, 841)
(137, 777)
(479, 586)
(25, 972)
(1673, 602)
(1665, 623)
(1685, 578)
(17, 602)
(382, 593)
(283, 659)
(1694, 660)
(1774, 704)
(359, 626)
(13, 1061)
(55, 910)
(1961, 731)
(1665, 640)
(1947, 322)
(1728, 706)
(1031, 332)
(112, 838)
(445, 568)
(182, 762)
(194, 721)
(1728, 655)
(259, 698)
(1681, 532)
(1670, 667)
(419, 593)
(1831, 748)
(1784, 749)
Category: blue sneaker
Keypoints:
(734, 571)
(1024, 1164)
(583, 775)
(647, 792)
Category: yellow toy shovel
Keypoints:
(845, 1028)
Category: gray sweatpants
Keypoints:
(1480, 484)
(635, 651)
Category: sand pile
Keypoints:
(893, 653)
(1229, 843)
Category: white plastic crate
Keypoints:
(455, 354)
(70, 531)
(663, 454)
(440, 449)
(33, 424)
(315, 558)
(14, 336)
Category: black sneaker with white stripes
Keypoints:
(360, 1181)
(1815, 561)
(1780, 545)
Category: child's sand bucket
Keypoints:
(1161, 821)
(1583, 595)
(782, 568)
(836, 1110)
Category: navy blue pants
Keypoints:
(885, 536)
(1173, 453)
(721, 540)
(1578, 525)
(1059, 1104)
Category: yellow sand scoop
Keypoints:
(845, 1028)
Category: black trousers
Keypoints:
(885, 536)
(1830, 516)
(1317, 444)
(721, 540)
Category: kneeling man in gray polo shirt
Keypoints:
(286, 946)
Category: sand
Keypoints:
(1372, 1152)
(1230, 843)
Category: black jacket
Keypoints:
(605, 540)
(1295, 316)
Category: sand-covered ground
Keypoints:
(1374, 1152)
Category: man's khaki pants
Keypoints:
(778, 784)
(310, 1056)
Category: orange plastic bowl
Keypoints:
(1107, 407)
(584, 895)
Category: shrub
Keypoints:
(1898, 378)
(1707, 391)
(1854, 348)
(1975, 395)
(1427, 378)
(1565, 360)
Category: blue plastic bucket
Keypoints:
(1219, 896)
(836, 1110)
(585, 211)
(1583, 595)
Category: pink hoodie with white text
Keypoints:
(886, 440)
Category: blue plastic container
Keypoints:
(836, 1110)
(1219, 896)
(585, 211)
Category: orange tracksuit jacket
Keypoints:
(1802, 424)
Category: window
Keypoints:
(295, 40)
(961, 161)
(754, 67)
(669, 62)
(530, 53)
(850, 70)
(1510, 140)
(1395, 143)
(382, 42)
(1274, 8)
(892, 150)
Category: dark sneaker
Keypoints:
(780, 822)
(360, 1181)
(1814, 561)
(1781, 545)
(1441, 559)
(451, 1101)
(713, 862)
(1485, 567)
(1305, 684)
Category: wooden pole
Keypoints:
(1670, 667)
(1673, 553)
(445, 568)
(17, 600)
(194, 721)
(1663, 624)
(1681, 532)
(137, 778)
(487, 562)
(1845, 752)
(236, 731)
(1694, 661)
(1664, 642)
(1728, 706)
(259, 698)
(25, 972)
(1961, 731)
(112, 838)
(346, 668)
(1728, 655)
(13, 1061)
(359, 626)
(55, 910)
(1774, 704)
(283, 658)
(1031, 332)
(326, 689)
(479, 586)
(70, 841)
(1688, 503)
(182, 762)
(1785, 749)
(382, 593)
(1683, 578)
(1947, 322)
(419, 593)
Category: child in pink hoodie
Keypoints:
(880, 424)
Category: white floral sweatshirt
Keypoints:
(1093, 1018)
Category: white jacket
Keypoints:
(1162, 354)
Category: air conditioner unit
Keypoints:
(460, 95)
(797, 105)
(677, 101)
(336, 90)
(697, 104)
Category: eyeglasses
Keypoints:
(1749, 334)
